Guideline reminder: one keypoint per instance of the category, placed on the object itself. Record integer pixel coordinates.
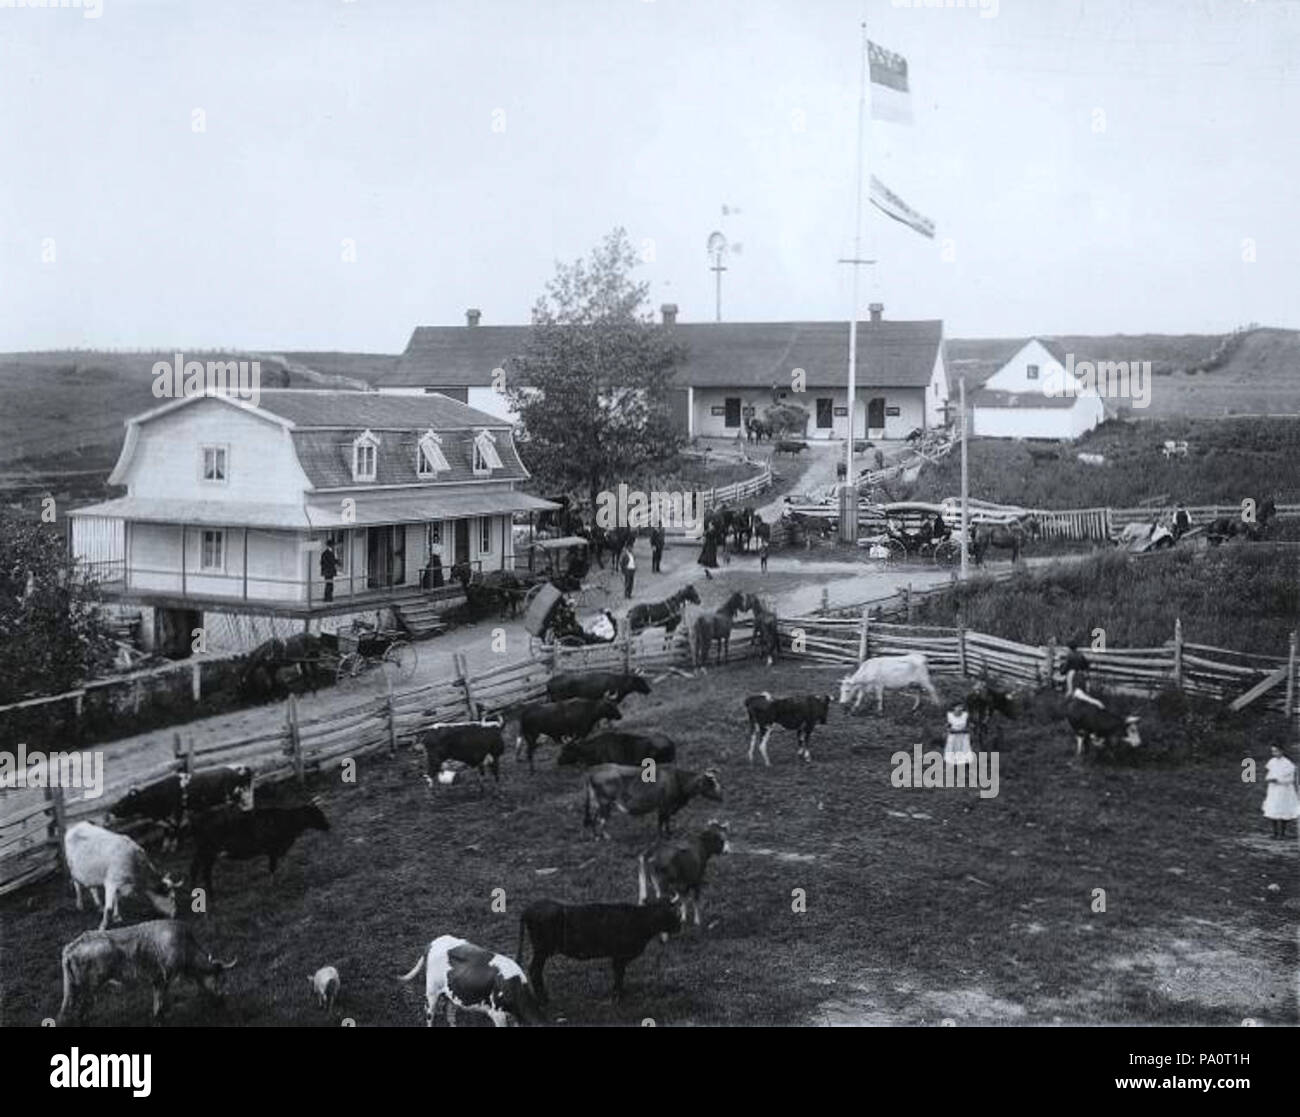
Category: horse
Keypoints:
(1226, 527)
(261, 670)
(756, 429)
(667, 613)
(762, 529)
(710, 628)
(767, 636)
(743, 526)
(1012, 536)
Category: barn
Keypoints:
(1032, 395)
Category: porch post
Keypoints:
(245, 563)
(182, 560)
(126, 554)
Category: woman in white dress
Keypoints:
(957, 749)
(1281, 803)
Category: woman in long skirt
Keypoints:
(957, 749)
(709, 552)
(1281, 803)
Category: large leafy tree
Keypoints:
(592, 387)
(51, 634)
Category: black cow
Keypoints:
(596, 684)
(800, 713)
(1093, 722)
(790, 447)
(563, 721)
(615, 746)
(985, 701)
(243, 835)
(169, 799)
(677, 866)
(618, 932)
(628, 787)
(475, 744)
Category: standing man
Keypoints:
(1182, 522)
(329, 566)
(627, 564)
(656, 548)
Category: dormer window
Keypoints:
(486, 458)
(365, 457)
(429, 458)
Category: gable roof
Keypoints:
(718, 354)
(1024, 401)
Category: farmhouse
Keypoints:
(229, 505)
(733, 371)
(1034, 395)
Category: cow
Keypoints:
(677, 867)
(100, 860)
(596, 684)
(325, 984)
(618, 932)
(789, 446)
(243, 835)
(1089, 722)
(169, 799)
(985, 701)
(570, 719)
(469, 977)
(887, 672)
(800, 713)
(614, 746)
(158, 952)
(636, 790)
(475, 744)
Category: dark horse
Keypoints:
(1012, 537)
(260, 675)
(767, 636)
(1226, 527)
(711, 628)
(497, 589)
(757, 429)
(667, 613)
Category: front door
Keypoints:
(876, 418)
(385, 556)
(731, 411)
(825, 415)
(462, 541)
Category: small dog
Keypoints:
(325, 983)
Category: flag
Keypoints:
(891, 204)
(891, 98)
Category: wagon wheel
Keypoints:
(897, 551)
(350, 666)
(948, 553)
(404, 658)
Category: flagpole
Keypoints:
(849, 518)
(965, 488)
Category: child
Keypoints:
(762, 556)
(957, 749)
(1281, 804)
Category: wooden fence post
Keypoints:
(462, 669)
(58, 820)
(1290, 678)
(627, 649)
(178, 749)
(1178, 652)
(907, 598)
(295, 738)
(864, 644)
(826, 600)
(961, 649)
(196, 681)
(1049, 658)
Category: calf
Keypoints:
(618, 932)
(1091, 722)
(624, 786)
(476, 744)
(985, 701)
(113, 864)
(887, 672)
(468, 976)
(570, 719)
(677, 867)
(596, 684)
(169, 799)
(325, 984)
(243, 835)
(801, 714)
(617, 747)
(158, 952)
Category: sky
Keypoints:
(294, 175)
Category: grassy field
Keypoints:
(1235, 596)
(1228, 459)
(920, 904)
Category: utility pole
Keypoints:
(965, 490)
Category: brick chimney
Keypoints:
(877, 311)
(472, 316)
(669, 311)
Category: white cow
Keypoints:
(325, 984)
(887, 672)
(100, 860)
(470, 977)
